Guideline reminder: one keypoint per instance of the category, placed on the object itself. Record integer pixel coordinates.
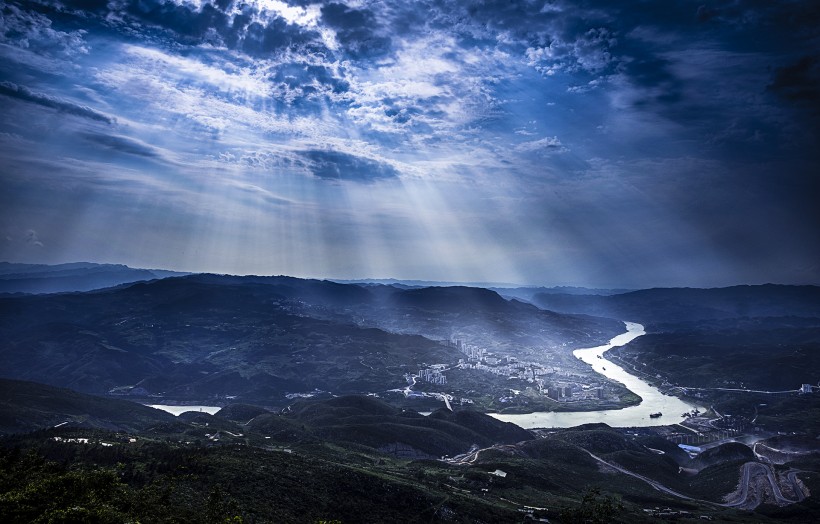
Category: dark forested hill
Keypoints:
(258, 338)
(356, 459)
(26, 406)
(659, 305)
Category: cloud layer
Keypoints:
(547, 142)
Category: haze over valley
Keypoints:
(343, 261)
(447, 375)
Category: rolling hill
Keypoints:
(212, 337)
(351, 458)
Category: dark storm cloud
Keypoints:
(183, 20)
(122, 144)
(13, 90)
(525, 20)
(555, 38)
(702, 65)
(799, 82)
(601, 38)
(704, 13)
(357, 30)
(277, 35)
(88, 5)
(335, 165)
(214, 23)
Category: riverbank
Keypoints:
(177, 410)
(653, 400)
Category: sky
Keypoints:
(591, 143)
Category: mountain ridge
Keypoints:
(202, 336)
(71, 277)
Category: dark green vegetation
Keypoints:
(373, 423)
(257, 338)
(317, 462)
(163, 482)
(789, 413)
(733, 354)
(26, 406)
(350, 459)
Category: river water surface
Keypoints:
(178, 410)
(653, 401)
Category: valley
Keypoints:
(261, 466)
(212, 339)
(286, 390)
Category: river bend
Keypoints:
(653, 401)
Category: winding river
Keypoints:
(653, 401)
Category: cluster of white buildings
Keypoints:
(505, 366)
(574, 391)
(537, 375)
(544, 377)
(433, 374)
(473, 353)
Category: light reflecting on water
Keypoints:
(177, 410)
(653, 401)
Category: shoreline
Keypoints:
(653, 400)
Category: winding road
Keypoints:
(758, 481)
(753, 487)
(752, 492)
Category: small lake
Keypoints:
(177, 410)
(653, 401)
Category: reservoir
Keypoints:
(653, 401)
(177, 410)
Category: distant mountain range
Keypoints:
(504, 289)
(79, 276)
(674, 305)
